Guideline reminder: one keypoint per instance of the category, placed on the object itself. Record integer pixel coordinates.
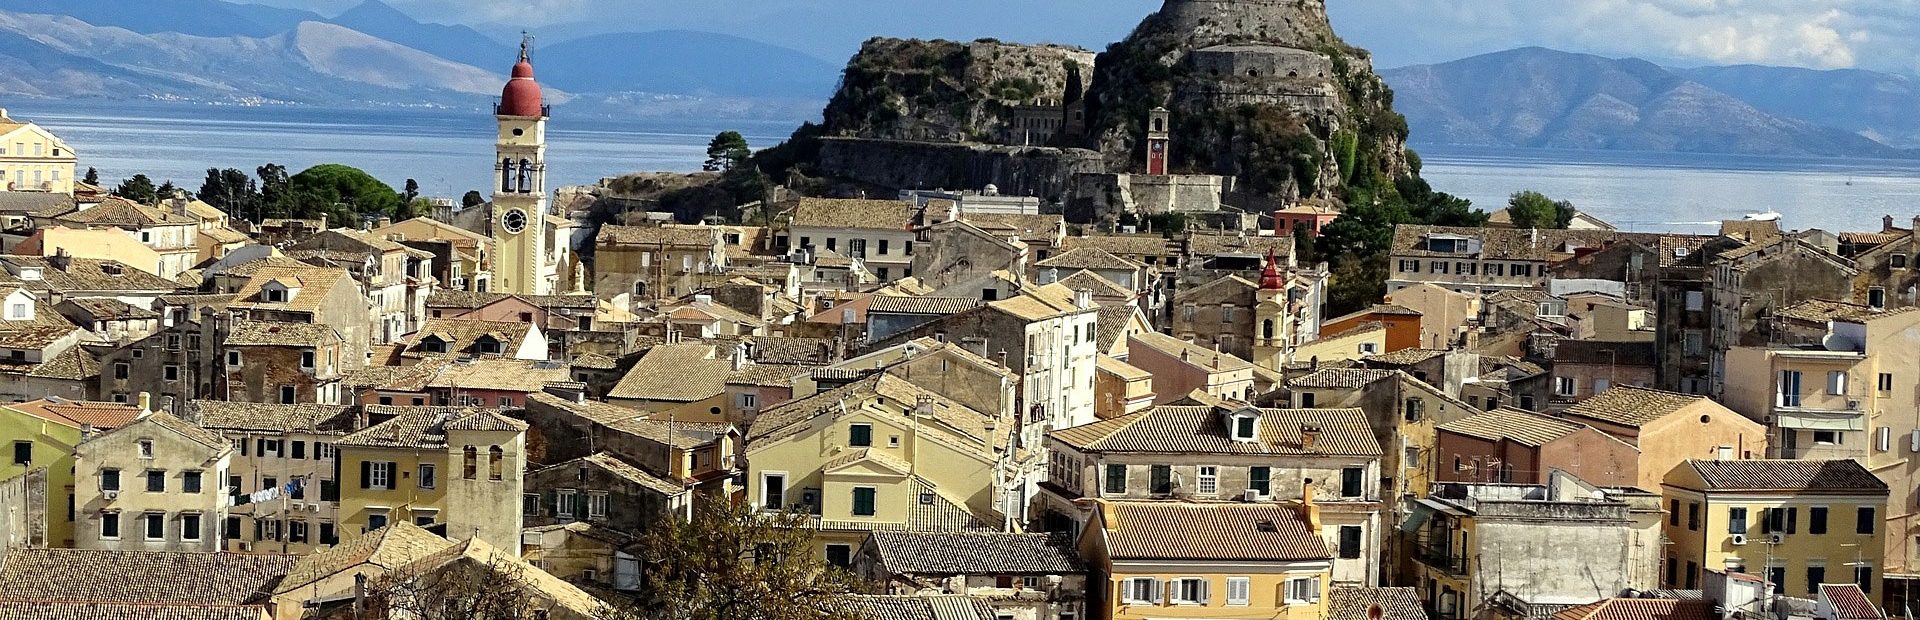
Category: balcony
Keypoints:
(1442, 559)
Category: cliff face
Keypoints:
(1261, 90)
(946, 91)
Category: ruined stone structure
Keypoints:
(1016, 171)
(1103, 197)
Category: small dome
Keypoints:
(1270, 276)
(522, 96)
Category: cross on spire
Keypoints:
(526, 45)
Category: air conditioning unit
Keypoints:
(1252, 495)
(1853, 405)
(313, 508)
(1776, 539)
(246, 547)
(1738, 539)
(110, 495)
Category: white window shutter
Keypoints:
(1915, 440)
(1883, 439)
(1206, 591)
(1314, 595)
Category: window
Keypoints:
(1877, 297)
(496, 462)
(1789, 388)
(22, 452)
(1863, 520)
(1239, 589)
(1863, 575)
(376, 475)
(1141, 590)
(376, 521)
(1116, 479)
(749, 401)
(1897, 261)
(1226, 313)
(170, 372)
(121, 369)
(566, 504)
(1209, 479)
(1306, 400)
(1438, 266)
(190, 526)
(1837, 383)
(1816, 575)
(190, 482)
(1303, 590)
(597, 504)
(1817, 520)
(1693, 516)
(1350, 481)
(1737, 520)
(1260, 479)
(1369, 348)
(297, 531)
(1189, 591)
(469, 462)
(860, 435)
(1160, 480)
(1244, 427)
(840, 555)
(156, 525)
(426, 476)
(1349, 542)
(156, 481)
(1563, 386)
(530, 504)
(110, 525)
(1673, 512)
(1410, 266)
(773, 491)
(1826, 437)
(1886, 382)
(864, 501)
(233, 358)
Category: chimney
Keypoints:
(739, 356)
(1082, 299)
(382, 222)
(1309, 510)
(60, 259)
(146, 402)
(1886, 223)
(1309, 436)
(673, 335)
(179, 202)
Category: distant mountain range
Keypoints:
(1537, 97)
(372, 54)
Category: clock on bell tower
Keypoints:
(520, 209)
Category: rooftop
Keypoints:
(1197, 429)
(1219, 531)
(1787, 475)
(683, 372)
(853, 213)
(140, 576)
(1523, 427)
(427, 427)
(976, 554)
(1632, 406)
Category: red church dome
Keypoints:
(1270, 277)
(521, 97)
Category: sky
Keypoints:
(1824, 34)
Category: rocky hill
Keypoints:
(948, 91)
(1261, 90)
(1870, 103)
(1536, 97)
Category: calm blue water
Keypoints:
(450, 151)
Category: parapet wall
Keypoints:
(1018, 171)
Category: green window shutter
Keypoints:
(860, 435)
(366, 474)
(1116, 478)
(1259, 478)
(863, 502)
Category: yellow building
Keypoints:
(1797, 523)
(41, 435)
(32, 159)
(1165, 560)
(454, 470)
(466, 269)
(880, 453)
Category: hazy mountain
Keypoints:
(207, 18)
(1878, 105)
(456, 43)
(685, 63)
(313, 62)
(1538, 97)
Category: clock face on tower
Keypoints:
(514, 221)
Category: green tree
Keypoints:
(166, 191)
(1531, 209)
(138, 189)
(472, 199)
(1438, 208)
(276, 197)
(231, 191)
(727, 150)
(410, 191)
(354, 192)
(93, 176)
(730, 562)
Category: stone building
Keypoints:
(1021, 576)
(1745, 283)
(283, 290)
(1583, 369)
(286, 363)
(658, 262)
(392, 275)
(285, 447)
(180, 362)
(459, 470)
(170, 232)
(959, 259)
(154, 484)
(603, 490)
(1510, 446)
(878, 233)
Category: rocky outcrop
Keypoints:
(1016, 171)
(1261, 90)
(947, 91)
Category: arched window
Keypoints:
(506, 175)
(640, 289)
(496, 459)
(526, 176)
(470, 467)
(1266, 329)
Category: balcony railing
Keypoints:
(1443, 559)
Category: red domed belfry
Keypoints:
(520, 221)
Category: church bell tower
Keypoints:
(519, 218)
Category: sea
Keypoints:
(449, 151)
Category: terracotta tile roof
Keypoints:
(1823, 310)
(103, 309)
(474, 554)
(593, 361)
(788, 418)
(624, 470)
(96, 610)
(1850, 602)
(387, 548)
(33, 202)
(912, 607)
(1513, 243)
(773, 375)
(1084, 280)
(426, 427)
(241, 416)
(90, 274)
(1195, 429)
(1341, 378)
(314, 282)
(1787, 475)
(710, 311)
(401, 378)
(1110, 324)
(787, 350)
(1643, 354)
(681, 237)
(1406, 357)
(186, 429)
(1088, 258)
(100, 415)
(1523, 427)
(1120, 369)
(462, 336)
(1167, 530)
(1631, 405)
(1123, 245)
(1197, 355)
(275, 334)
(853, 213)
(1216, 244)
(507, 375)
(976, 554)
(140, 576)
(632, 421)
(891, 304)
(1641, 609)
(1352, 603)
(675, 372)
(117, 211)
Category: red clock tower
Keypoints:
(1157, 139)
